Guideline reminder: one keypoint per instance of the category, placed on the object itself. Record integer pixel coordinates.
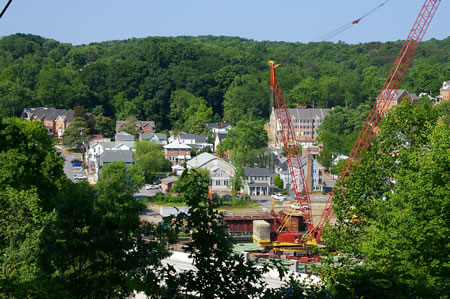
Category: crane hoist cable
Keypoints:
(341, 29)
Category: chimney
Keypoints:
(309, 169)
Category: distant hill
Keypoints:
(139, 76)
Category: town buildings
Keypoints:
(142, 126)
(399, 96)
(220, 127)
(445, 92)
(305, 123)
(312, 171)
(159, 138)
(193, 140)
(221, 172)
(177, 153)
(55, 120)
(258, 181)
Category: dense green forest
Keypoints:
(224, 78)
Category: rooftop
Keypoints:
(109, 156)
(308, 113)
(257, 171)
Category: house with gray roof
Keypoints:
(124, 136)
(159, 138)
(193, 140)
(109, 156)
(305, 124)
(142, 126)
(221, 172)
(398, 96)
(220, 127)
(313, 173)
(258, 181)
(55, 120)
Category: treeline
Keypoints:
(214, 78)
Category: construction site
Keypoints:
(290, 230)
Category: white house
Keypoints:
(219, 138)
(159, 138)
(221, 171)
(312, 171)
(220, 127)
(258, 181)
(97, 147)
(193, 140)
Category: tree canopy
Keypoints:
(393, 210)
(150, 158)
(137, 77)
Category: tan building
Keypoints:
(305, 123)
(62, 122)
(445, 91)
(399, 96)
(177, 153)
(49, 118)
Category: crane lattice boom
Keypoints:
(384, 99)
(368, 132)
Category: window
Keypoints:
(296, 120)
(217, 182)
(225, 182)
(296, 127)
(171, 150)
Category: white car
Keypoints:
(151, 187)
(279, 197)
(298, 207)
(80, 177)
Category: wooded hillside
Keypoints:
(222, 77)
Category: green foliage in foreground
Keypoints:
(64, 240)
(219, 271)
(400, 193)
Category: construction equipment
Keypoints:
(283, 240)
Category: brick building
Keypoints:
(177, 153)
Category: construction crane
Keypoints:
(282, 239)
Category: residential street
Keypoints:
(69, 170)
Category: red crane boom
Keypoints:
(384, 99)
(369, 130)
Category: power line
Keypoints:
(4, 9)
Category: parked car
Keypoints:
(298, 207)
(76, 161)
(151, 187)
(279, 197)
(77, 164)
(80, 177)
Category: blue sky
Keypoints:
(83, 21)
